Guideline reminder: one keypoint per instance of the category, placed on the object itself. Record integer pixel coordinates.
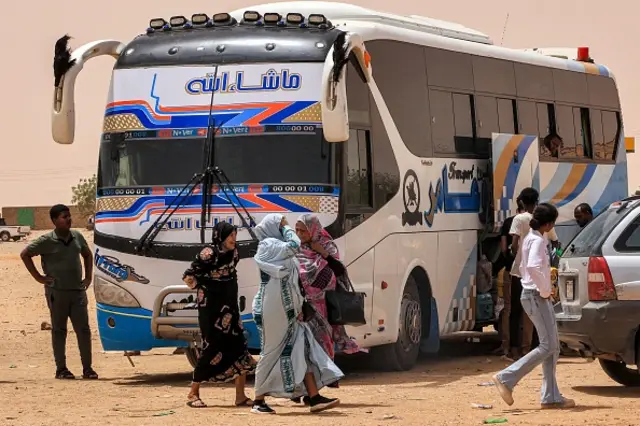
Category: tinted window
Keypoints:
(534, 82)
(570, 86)
(506, 108)
(611, 131)
(400, 73)
(143, 162)
(493, 76)
(282, 158)
(594, 233)
(357, 98)
(582, 124)
(630, 238)
(603, 92)
(597, 135)
(566, 130)
(442, 125)
(463, 121)
(359, 169)
(449, 69)
(487, 116)
(527, 118)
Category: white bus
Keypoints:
(409, 137)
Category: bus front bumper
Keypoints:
(186, 329)
(129, 329)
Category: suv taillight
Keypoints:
(599, 280)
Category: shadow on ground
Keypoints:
(609, 391)
(430, 371)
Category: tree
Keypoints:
(84, 196)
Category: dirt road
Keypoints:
(439, 391)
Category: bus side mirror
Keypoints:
(63, 114)
(335, 111)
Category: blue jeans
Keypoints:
(547, 353)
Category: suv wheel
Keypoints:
(5, 237)
(619, 372)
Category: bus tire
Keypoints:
(403, 354)
(192, 354)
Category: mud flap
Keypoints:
(431, 344)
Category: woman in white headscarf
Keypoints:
(292, 363)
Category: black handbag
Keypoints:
(345, 306)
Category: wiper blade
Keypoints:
(144, 243)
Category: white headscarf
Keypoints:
(276, 255)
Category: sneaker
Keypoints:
(65, 374)
(305, 400)
(505, 393)
(319, 403)
(564, 404)
(261, 407)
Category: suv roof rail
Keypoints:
(631, 198)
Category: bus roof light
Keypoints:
(157, 23)
(177, 21)
(272, 18)
(295, 18)
(221, 18)
(251, 16)
(583, 55)
(199, 19)
(317, 19)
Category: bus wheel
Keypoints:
(403, 354)
(192, 355)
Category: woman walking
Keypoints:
(322, 271)
(224, 355)
(536, 283)
(292, 363)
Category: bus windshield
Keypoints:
(246, 159)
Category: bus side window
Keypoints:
(464, 139)
(566, 130)
(582, 123)
(507, 117)
(611, 132)
(487, 121)
(442, 125)
(597, 136)
(528, 122)
(359, 185)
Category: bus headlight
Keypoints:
(108, 293)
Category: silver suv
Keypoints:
(599, 283)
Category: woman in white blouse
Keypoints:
(536, 291)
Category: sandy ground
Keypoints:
(439, 391)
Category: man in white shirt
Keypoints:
(519, 229)
(536, 282)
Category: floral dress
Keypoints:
(224, 354)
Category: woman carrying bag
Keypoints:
(320, 272)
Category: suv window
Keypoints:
(629, 240)
(589, 240)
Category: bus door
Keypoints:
(515, 164)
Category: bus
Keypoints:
(409, 137)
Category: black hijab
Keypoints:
(221, 231)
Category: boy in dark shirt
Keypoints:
(65, 289)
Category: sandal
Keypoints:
(196, 403)
(248, 402)
(89, 374)
(65, 375)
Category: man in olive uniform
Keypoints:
(65, 289)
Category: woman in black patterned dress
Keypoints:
(224, 356)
